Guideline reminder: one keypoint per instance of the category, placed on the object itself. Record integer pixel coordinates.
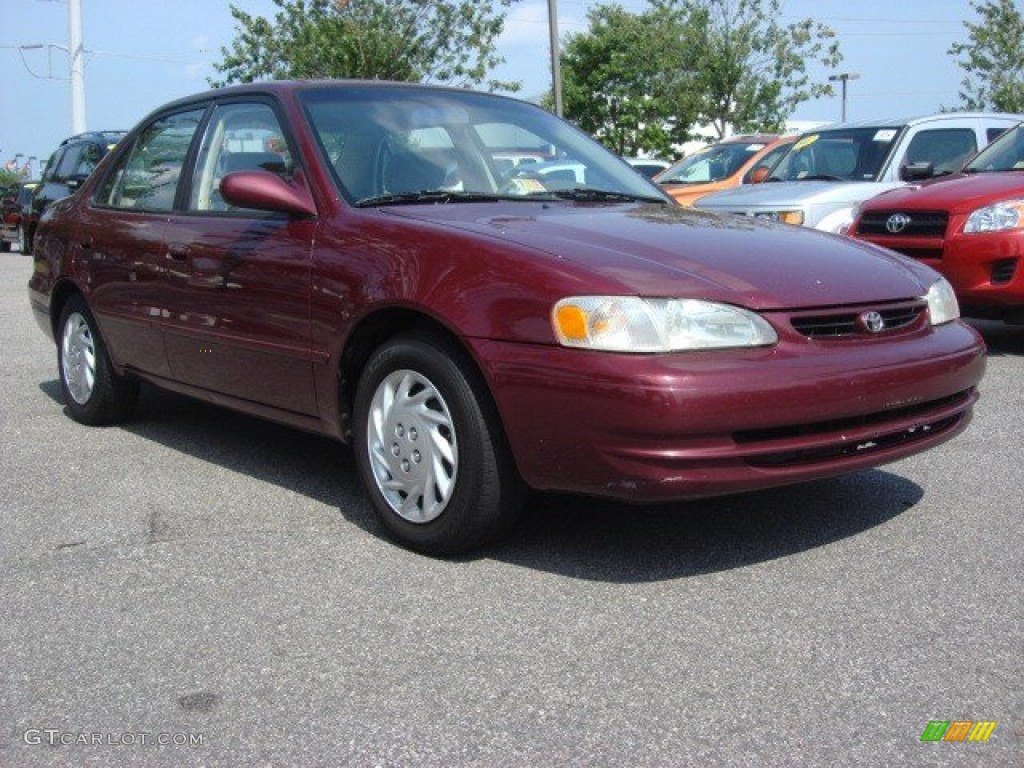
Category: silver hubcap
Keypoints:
(78, 358)
(412, 446)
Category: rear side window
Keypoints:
(945, 148)
(146, 177)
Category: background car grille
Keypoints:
(922, 224)
(845, 323)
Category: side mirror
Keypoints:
(759, 174)
(267, 191)
(918, 171)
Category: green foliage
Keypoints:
(9, 178)
(994, 58)
(639, 82)
(451, 41)
(749, 69)
(617, 83)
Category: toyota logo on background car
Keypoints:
(897, 223)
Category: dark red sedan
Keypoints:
(354, 259)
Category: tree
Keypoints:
(749, 71)
(617, 82)
(993, 59)
(639, 82)
(450, 41)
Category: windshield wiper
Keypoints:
(430, 196)
(592, 195)
(821, 177)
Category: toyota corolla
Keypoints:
(352, 258)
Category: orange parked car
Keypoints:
(729, 163)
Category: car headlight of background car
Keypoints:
(786, 217)
(942, 304)
(1009, 214)
(634, 324)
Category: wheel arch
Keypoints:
(386, 323)
(59, 296)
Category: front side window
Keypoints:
(238, 137)
(146, 177)
(945, 148)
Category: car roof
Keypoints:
(1009, 117)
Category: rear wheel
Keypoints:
(93, 393)
(430, 450)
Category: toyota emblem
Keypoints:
(897, 223)
(872, 322)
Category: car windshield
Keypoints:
(1004, 154)
(845, 154)
(393, 146)
(713, 163)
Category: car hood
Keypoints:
(954, 194)
(663, 250)
(776, 195)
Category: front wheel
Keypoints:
(430, 450)
(93, 392)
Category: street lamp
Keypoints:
(844, 77)
(556, 68)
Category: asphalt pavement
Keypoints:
(199, 588)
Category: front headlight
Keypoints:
(942, 304)
(1009, 214)
(786, 217)
(634, 324)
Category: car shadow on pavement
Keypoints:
(615, 542)
(573, 536)
(1001, 338)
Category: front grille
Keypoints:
(920, 224)
(1003, 271)
(928, 420)
(849, 323)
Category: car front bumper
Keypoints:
(663, 427)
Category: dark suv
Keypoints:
(65, 171)
(15, 200)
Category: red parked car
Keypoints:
(969, 227)
(350, 258)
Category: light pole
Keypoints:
(556, 66)
(844, 77)
(77, 55)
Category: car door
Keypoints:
(240, 278)
(122, 232)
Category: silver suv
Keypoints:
(827, 173)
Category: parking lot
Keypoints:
(201, 588)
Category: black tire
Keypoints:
(93, 393)
(5, 246)
(430, 450)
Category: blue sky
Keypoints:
(147, 52)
